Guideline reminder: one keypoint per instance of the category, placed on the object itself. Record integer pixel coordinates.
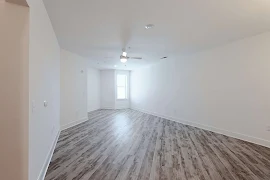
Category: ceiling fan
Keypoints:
(124, 57)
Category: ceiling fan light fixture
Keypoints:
(123, 59)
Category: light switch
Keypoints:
(45, 103)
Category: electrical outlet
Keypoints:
(33, 105)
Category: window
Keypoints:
(121, 86)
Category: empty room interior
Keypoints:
(135, 90)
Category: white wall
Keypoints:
(93, 89)
(107, 85)
(225, 89)
(44, 85)
(73, 89)
(122, 103)
(14, 35)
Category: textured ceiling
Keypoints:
(99, 29)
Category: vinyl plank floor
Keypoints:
(131, 145)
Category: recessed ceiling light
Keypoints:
(115, 65)
(149, 26)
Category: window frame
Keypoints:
(126, 86)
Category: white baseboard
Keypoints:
(243, 137)
(45, 166)
(123, 107)
(107, 108)
(74, 123)
(93, 110)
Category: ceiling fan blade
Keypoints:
(134, 57)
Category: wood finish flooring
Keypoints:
(127, 144)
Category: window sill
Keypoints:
(121, 99)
